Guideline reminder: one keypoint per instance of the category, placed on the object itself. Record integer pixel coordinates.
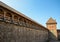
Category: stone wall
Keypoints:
(58, 31)
(17, 28)
(15, 33)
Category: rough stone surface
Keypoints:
(58, 34)
(54, 41)
(15, 33)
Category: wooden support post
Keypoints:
(12, 20)
(18, 20)
(4, 15)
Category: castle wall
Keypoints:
(16, 28)
(58, 31)
(14, 33)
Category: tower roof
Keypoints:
(51, 20)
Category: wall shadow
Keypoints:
(52, 37)
(58, 31)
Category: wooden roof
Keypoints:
(51, 20)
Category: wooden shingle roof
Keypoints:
(51, 20)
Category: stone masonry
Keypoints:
(16, 27)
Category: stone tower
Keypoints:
(51, 25)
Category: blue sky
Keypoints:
(38, 10)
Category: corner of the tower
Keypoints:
(51, 25)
